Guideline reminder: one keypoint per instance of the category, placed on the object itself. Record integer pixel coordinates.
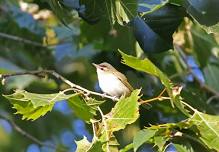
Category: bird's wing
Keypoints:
(124, 80)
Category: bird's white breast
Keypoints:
(110, 84)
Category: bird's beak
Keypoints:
(96, 65)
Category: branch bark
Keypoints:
(29, 136)
(16, 38)
(75, 87)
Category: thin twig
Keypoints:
(94, 130)
(29, 136)
(30, 42)
(16, 38)
(201, 84)
(212, 98)
(179, 74)
(58, 76)
(159, 97)
(190, 107)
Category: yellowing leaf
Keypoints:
(120, 13)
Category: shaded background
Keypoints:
(31, 38)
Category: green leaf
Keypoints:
(32, 105)
(160, 141)
(96, 147)
(63, 14)
(127, 148)
(203, 43)
(142, 136)
(154, 31)
(147, 66)
(211, 74)
(203, 129)
(125, 112)
(85, 146)
(185, 147)
(204, 11)
(84, 110)
(121, 15)
(94, 104)
(144, 34)
(212, 29)
(195, 98)
(207, 125)
(149, 7)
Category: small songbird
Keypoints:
(111, 81)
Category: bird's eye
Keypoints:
(103, 68)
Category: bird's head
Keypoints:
(104, 67)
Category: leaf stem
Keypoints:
(190, 107)
(94, 131)
(159, 97)
(106, 129)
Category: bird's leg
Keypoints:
(115, 98)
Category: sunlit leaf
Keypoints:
(31, 105)
(212, 29)
(147, 66)
(160, 141)
(207, 128)
(85, 146)
(125, 112)
(84, 109)
(120, 13)
(93, 103)
(127, 148)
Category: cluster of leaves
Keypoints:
(126, 111)
(153, 25)
(152, 22)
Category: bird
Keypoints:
(111, 81)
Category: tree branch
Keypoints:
(159, 97)
(58, 76)
(16, 38)
(29, 136)
(34, 43)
